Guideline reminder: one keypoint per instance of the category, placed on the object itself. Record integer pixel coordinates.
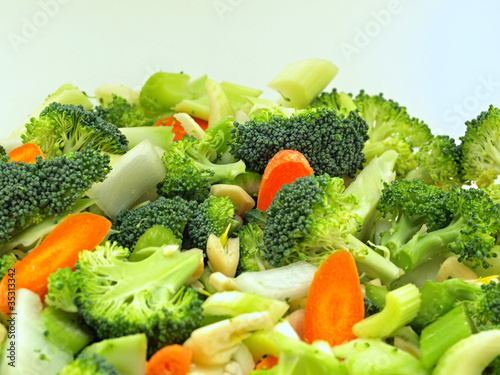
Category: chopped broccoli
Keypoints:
(171, 213)
(463, 221)
(481, 148)
(311, 218)
(341, 102)
(61, 290)
(251, 242)
(213, 216)
(123, 114)
(331, 141)
(49, 188)
(438, 163)
(89, 364)
(2, 152)
(65, 128)
(118, 297)
(406, 158)
(7, 261)
(493, 192)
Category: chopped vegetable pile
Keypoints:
(197, 228)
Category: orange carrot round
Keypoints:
(284, 168)
(335, 301)
(267, 363)
(60, 249)
(177, 128)
(170, 360)
(26, 153)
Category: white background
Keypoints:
(439, 59)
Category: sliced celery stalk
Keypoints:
(197, 86)
(199, 108)
(237, 93)
(161, 136)
(440, 335)
(238, 303)
(220, 106)
(164, 90)
(401, 307)
(301, 82)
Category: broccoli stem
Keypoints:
(400, 233)
(440, 335)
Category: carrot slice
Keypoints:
(170, 360)
(284, 168)
(335, 301)
(60, 249)
(267, 363)
(178, 130)
(26, 153)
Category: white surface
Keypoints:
(440, 59)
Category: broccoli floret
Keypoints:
(311, 218)
(171, 213)
(213, 216)
(331, 141)
(438, 163)
(190, 167)
(2, 152)
(123, 114)
(462, 221)
(405, 162)
(341, 102)
(493, 192)
(89, 364)
(481, 148)
(251, 242)
(30, 193)
(62, 290)
(118, 297)
(66, 128)
(7, 261)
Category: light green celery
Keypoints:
(197, 87)
(236, 303)
(471, 355)
(199, 107)
(401, 307)
(161, 136)
(164, 90)
(440, 335)
(220, 106)
(260, 343)
(301, 82)
(237, 93)
(346, 102)
(104, 94)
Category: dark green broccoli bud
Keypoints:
(331, 141)
(118, 297)
(213, 216)
(171, 213)
(370, 307)
(438, 163)
(62, 289)
(30, 193)
(341, 102)
(190, 169)
(481, 148)
(66, 128)
(251, 242)
(486, 308)
(387, 119)
(89, 364)
(7, 261)
(2, 152)
(123, 114)
(406, 158)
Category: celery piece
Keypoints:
(471, 355)
(65, 329)
(161, 136)
(220, 106)
(346, 102)
(197, 87)
(237, 303)
(301, 82)
(104, 94)
(260, 343)
(199, 107)
(401, 307)
(237, 93)
(164, 90)
(440, 335)
(127, 353)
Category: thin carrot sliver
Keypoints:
(267, 363)
(284, 168)
(26, 153)
(177, 128)
(335, 301)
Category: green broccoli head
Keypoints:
(2, 152)
(7, 261)
(251, 242)
(171, 213)
(493, 192)
(30, 193)
(213, 216)
(62, 289)
(387, 119)
(331, 141)
(307, 220)
(406, 158)
(190, 169)
(89, 364)
(486, 309)
(66, 128)
(481, 148)
(341, 102)
(118, 297)
(123, 114)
